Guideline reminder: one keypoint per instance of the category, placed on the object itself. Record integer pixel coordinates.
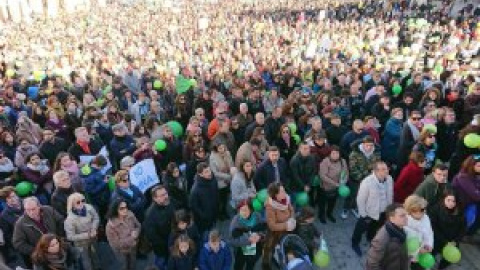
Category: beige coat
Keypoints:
(119, 233)
(78, 228)
(221, 168)
(330, 173)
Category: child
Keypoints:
(183, 224)
(182, 254)
(296, 263)
(215, 254)
(307, 231)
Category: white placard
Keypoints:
(203, 23)
(86, 159)
(143, 175)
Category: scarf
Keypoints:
(414, 129)
(41, 168)
(280, 205)
(80, 212)
(248, 222)
(395, 231)
(128, 190)
(85, 146)
(367, 154)
(57, 261)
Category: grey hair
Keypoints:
(31, 199)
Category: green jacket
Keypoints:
(359, 165)
(430, 190)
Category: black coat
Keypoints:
(447, 136)
(303, 169)
(406, 144)
(8, 217)
(183, 262)
(447, 225)
(272, 128)
(286, 151)
(59, 200)
(51, 149)
(76, 151)
(335, 134)
(266, 173)
(204, 201)
(157, 227)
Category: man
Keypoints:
(387, 250)
(434, 185)
(259, 122)
(214, 125)
(249, 151)
(336, 131)
(85, 144)
(409, 136)
(316, 128)
(157, 224)
(122, 144)
(52, 145)
(447, 135)
(303, 168)
(9, 216)
(273, 124)
(225, 136)
(35, 222)
(204, 198)
(141, 107)
(374, 195)
(63, 189)
(355, 134)
(273, 169)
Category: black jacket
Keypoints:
(157, 227)
(303, 169)
(59, 200)
(8, 217)
(51, 149)
(266, 173)
(335, 134)
(76, 151)
(272, 128)
(447, 225)
(204, 201)
(447, 136)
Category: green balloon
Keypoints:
(86, 170)
(344, 191)
(397, 89)
(413, 244)
(111, 183)
(321, 259)
(157, 84)
(293, 128)
(262, 195)
(257, 205)
(431, 128)
(24, 188)
(296, 138)
(160, 145)
(302, 198)
(451, 254)
(176, 128)
(472, 140)
(426, 260)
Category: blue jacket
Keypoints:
(121, 147)
(95, 187)
(391, 139)
(348, 139)
(266, 173)
(136, 202)
(221, 260)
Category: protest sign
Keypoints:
(143, 175)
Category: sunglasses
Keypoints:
(80, 202)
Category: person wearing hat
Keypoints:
(122, 144)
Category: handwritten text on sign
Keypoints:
(143, 175)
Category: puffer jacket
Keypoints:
(360, 166)
(96, 188)
(119, 233)
(78, 228)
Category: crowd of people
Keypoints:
(230, 100)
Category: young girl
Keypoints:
(183, 224)
(448, 224)
(183, 254)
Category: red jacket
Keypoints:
(410, 177)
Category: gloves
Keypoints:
(291, 224)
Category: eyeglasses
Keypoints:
(80, 202)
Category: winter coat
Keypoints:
(192, 232)
(119, 233)
(121, 147)
(335, 134)
(221, 166)
(59, 199)
(96, 189)
(240, 230)
(330, 173)
(265, 173)
(8, 218)
(447, 136)
(391, 139)
(51, 149)
(349, 142)
(95, 145)
(368, 198)
(287, 151)
(272, 128)
(319, 152)
(78, 228)
(157, 226)
(409, 179)
(22, 153)
(405, 147)
(246, 153)
(472, 107)
(210, 260)
(309, 234)
(182, 262)
(278, 214)
(35, 176)
(360, 166)
(431, 190)
(388, 250)
(448, 225)
(204, 201)
(136, 202)
(303, 170)
(26, 233)
(468, 188)
(241, 189)
(177, 189)
(422, 229)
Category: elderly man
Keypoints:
(85, 144)
(35, 222)
(63, 189)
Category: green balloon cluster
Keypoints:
(262, 195)
(24, 188)
(472, 140)
(302, 199)
(430, 128)
(397, 89)
(257, 205)
(413, 244)
(296, 138)
(160, 145)
(293, 128)
(176, 128)
(451, 254)
(344, 191)
(321, 259)
(111, 183)
(426, 260)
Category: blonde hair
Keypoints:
(57, 175)
(72, 199)
(414, 203)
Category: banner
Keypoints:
(143, 175)
(104, 152)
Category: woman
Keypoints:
(56, 124)
(448, 224)
(123, 230)
(410, 177)
(467, 184)
(418, 226)
(333, 173)
(183, 110)
(27, 129)
(51, 253)
(8, 144)
(426, 145)
(67, 163)
(193, 140)
(36, 171)
(221, 164)
(81, 226)
(280, 217)
(124, 190)
(183, 254)
(391, 136)
(176, 185)
(247, 232)
(242, 186)
(285, 143)
(24, 149)
(183, 225)
(199, 156)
